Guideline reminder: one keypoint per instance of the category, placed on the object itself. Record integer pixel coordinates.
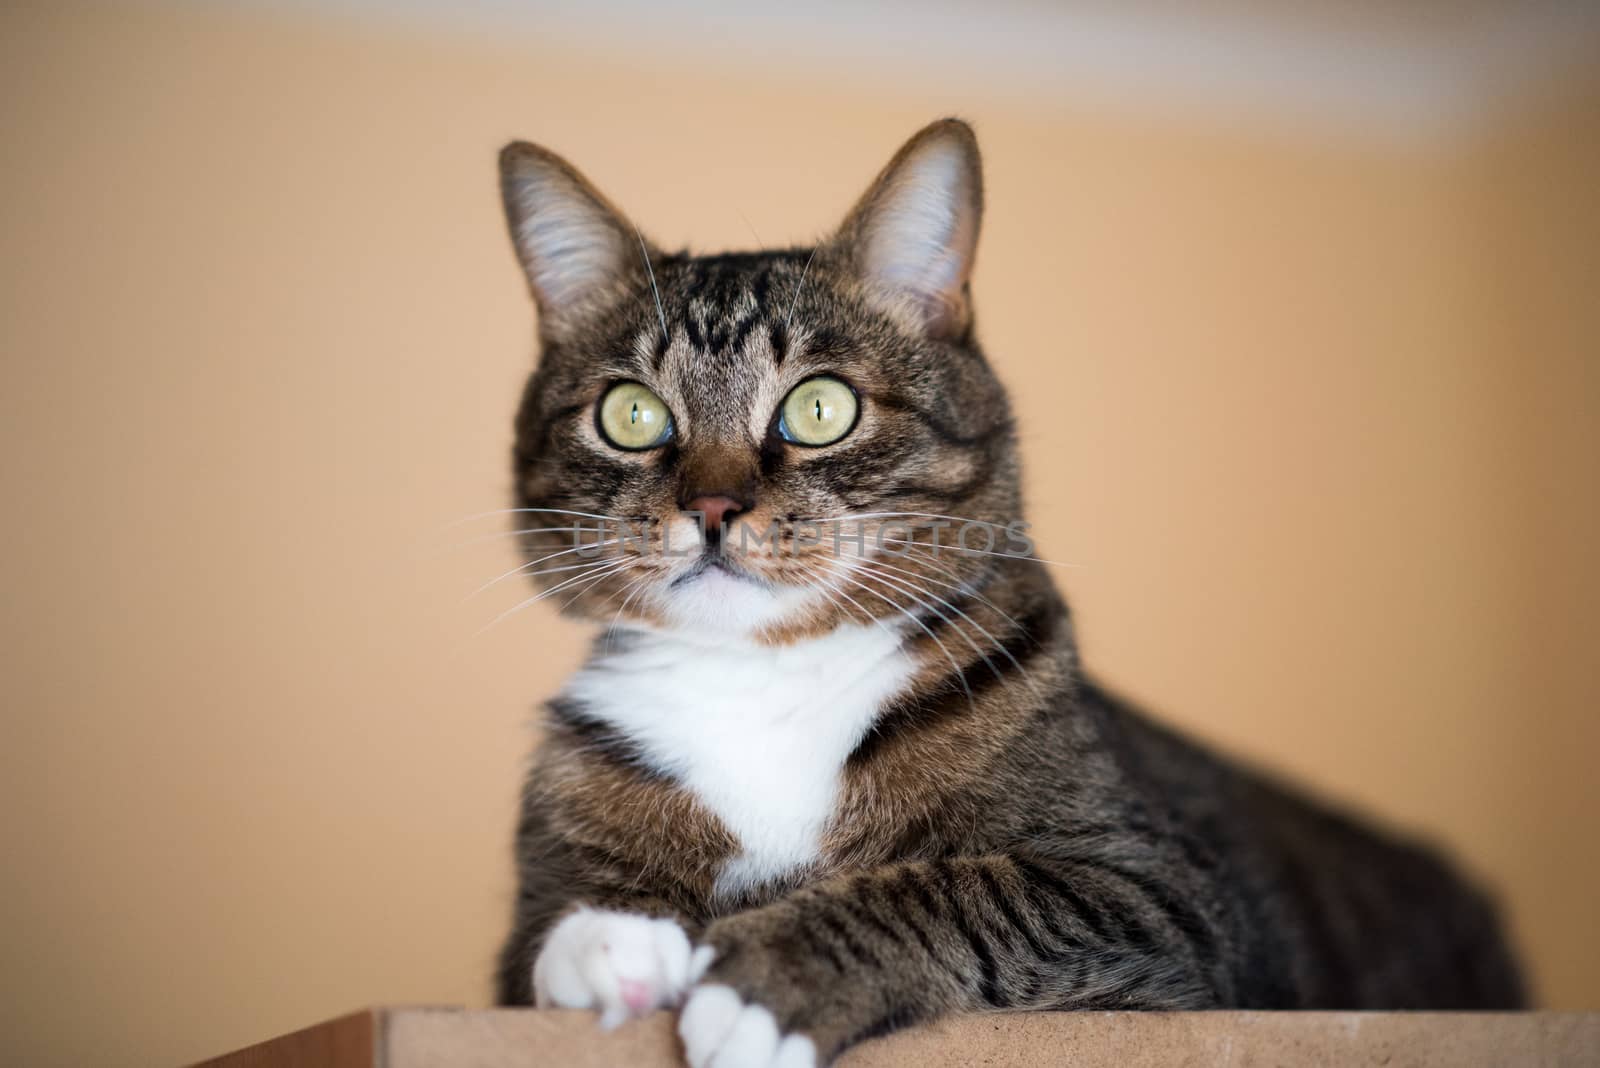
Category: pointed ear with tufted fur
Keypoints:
(913, 236)
(577, 250)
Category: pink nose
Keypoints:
(637, 994)
(716, 510)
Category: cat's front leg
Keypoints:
(620, 964)
(793, 983)
(799, 981)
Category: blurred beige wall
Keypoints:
(1314, 414)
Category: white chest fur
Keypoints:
(759, 734)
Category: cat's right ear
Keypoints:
(913, 236)
(575, 248)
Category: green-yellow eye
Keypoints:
(819, 411)
(631, 417)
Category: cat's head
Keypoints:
(820, 409)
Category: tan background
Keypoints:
(1314, 411)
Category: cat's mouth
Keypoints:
(714, 563)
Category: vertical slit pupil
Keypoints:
(633, 413)
(819, 409)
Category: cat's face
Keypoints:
(761, 443)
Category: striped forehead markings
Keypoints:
(721, 309)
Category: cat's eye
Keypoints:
(819, 411)
(631, 417)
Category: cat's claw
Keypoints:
(621, 964)
(720, 1030)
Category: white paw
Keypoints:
(620, 963)
(719, 1030)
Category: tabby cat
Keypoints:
(833, 767)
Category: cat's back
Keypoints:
(1373, 919)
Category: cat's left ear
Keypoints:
(913, 236)
(578, 251)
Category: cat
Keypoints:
(825, 774)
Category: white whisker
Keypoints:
(912, 617)
(955, 548)
(832, 593)
(534, 563)
(613, 565)
(795, 302)
(980, 552)
(917, 594)
(963, 587)
(530, 511)
(529, 531)
(645, 252)
(914, 515)
(760, 244)
(632, 590)
(998, 645)
(587, 586)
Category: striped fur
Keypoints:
(998, 832)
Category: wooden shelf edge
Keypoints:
(422, 1037)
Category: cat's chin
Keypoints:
(715, 599)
